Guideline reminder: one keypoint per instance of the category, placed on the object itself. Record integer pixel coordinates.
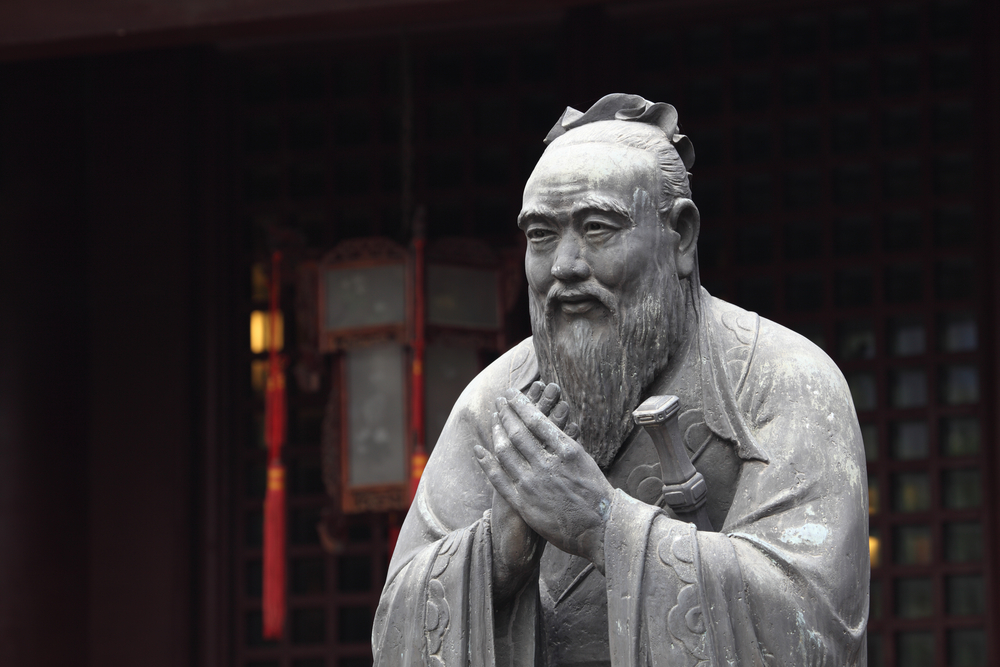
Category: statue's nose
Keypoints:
(569, 264)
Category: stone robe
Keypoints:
(769, 422)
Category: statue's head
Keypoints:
(612, 236)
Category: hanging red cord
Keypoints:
(418, 458)
(274, 502)
(418, 454)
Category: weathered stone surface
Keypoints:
(541, 534)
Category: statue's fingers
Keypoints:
(539, 425)
(508, 454)
(495, 473)
(559, 415)
(535, 391)
(515, 431)
(549, 398)
(573, 430)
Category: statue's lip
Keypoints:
(577, 302)
(574, 297)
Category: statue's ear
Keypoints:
(686, 221)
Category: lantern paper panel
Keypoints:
(376, 412)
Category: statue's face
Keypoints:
(594, 235)
(604, 291)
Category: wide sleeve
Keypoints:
(785, 582)
(437, 606)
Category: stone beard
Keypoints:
(606, 363)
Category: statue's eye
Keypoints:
(538, 234)
(597, 227)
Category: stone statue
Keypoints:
(543, 533)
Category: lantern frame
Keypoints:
(363, 253)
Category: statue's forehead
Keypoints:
(593, 166)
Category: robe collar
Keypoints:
(722, 414)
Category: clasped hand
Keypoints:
(547, 477)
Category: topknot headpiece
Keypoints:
(620, 106)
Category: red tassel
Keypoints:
(274, 552)
(274, 501)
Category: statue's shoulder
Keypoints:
(779, 344)
(517, 367)
(755, 344)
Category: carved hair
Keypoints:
(673, 174)
(634, 121)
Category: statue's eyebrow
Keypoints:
(535, 212)
(592, 202)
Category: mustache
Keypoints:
(558, 293)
